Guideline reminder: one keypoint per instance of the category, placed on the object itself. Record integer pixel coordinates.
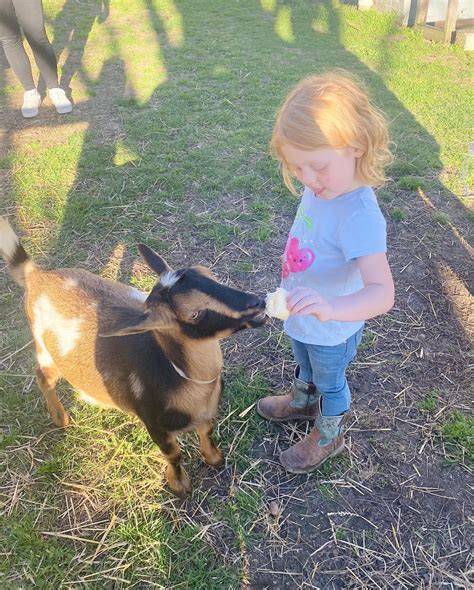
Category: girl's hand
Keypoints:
(305, 301)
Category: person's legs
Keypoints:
(300, 352)
(31, 18)
(12, 42)
(328, 364)
(301, 403)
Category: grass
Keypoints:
(430, 401)
(397, 214)
(456, 429)
(168, 144)
(369, 340)
(441, 218)
(458, 437)
(113, 474)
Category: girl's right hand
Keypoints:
(305, 301)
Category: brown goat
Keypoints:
(157, 356)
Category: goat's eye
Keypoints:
(195, 315)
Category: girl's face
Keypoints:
(327, 172)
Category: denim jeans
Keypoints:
(325, 367)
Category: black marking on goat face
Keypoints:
(215, 324)
(203, 307)
(215, 304)
(233, 299)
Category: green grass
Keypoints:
(441, 218)
(458, 437)
(411, 183)
(110, 459)
(397, 214)
(168, 144)
(430, 401)
(369, 341)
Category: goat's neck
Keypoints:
(202, 358)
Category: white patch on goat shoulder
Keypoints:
(136, 294)
(47, 318)
(169, 279)
(136, 385)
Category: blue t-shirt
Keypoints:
(326, 238)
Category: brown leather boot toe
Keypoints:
(326, 440)
(306, 456)
(278, 408)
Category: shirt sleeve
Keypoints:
(363, 233)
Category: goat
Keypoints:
(157, 357)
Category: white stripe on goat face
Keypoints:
(169, 279)
(66, 330)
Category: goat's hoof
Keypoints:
(61, 419)
(182, 487)
(215, 459)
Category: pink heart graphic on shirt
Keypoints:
(296, 259)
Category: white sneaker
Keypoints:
(60, 100)
(31, 103)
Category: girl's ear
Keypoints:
(358, 153)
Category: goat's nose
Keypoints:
(253, 301)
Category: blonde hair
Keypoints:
(333, 111)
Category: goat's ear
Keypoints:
(137, 323)
(153, 260)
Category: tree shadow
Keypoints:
(72, 28)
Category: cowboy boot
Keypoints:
(300, 404)
(324, 441)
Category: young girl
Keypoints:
(330, 137)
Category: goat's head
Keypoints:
(192, 301)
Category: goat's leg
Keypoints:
(176, 475)
(212, 455)
(47, 378)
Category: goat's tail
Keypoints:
(13, 252)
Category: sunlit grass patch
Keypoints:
(43, 177)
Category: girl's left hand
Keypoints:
(305, 301)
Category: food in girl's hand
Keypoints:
(276, 304)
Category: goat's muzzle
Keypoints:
(255, 316)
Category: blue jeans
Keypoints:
(325, 366)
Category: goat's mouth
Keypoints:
(256, 318)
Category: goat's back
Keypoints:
(68, 309)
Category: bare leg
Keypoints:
(47, 379)
(212, 455)
(178, 479)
